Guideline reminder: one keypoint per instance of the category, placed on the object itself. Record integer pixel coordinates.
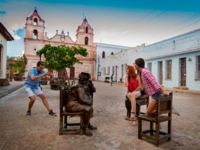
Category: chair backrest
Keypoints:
(63, 98)
(164, 105)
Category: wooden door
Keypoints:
(122, 72)
(116, 75)
(72, 72)
(160, 72)
(1, 61)
(183, 72)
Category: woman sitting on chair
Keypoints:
(132, 82)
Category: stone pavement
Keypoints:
(14, 85)
(40, 131)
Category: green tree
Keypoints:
(19, 65)
(60, 57)
(10, 58)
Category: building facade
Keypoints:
(4, 37)
(102, 51)
(36, 38)
(175, 62)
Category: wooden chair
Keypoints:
(64, 116)
(163, 113)
(141, 100)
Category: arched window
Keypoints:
(86, 40)
(35, 21)
(35, 34)
(86, 30)
(112, 53)
(103, 54)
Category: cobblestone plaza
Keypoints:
(41, 131)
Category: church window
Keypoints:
(35, 49)
(35, 21)
(103, 54)
(35, 34)
(86, 40)
(86, 30)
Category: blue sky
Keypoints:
(127, 23)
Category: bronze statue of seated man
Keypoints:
(80, 100)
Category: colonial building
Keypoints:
(102, 51)
(4, 37)
(36, 38)
(175, 62)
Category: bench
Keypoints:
(57, 82)
(43, 81)
(107, 79)
(64, 115)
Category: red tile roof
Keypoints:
(5, 33)
(35, 13)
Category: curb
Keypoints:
(10, 91)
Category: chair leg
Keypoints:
(138, 113)
(151, 128)
(169, 130)
(61, 125)
(65, 122)
(81, 125)
(139, 128)
(157, 134)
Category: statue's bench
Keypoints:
(64, 115)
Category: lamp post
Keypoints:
(39, 54)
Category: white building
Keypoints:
(175, 62)
(4, 37)
(103, 50)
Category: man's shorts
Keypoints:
(32, 92)
(154, 96)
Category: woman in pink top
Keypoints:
(150, 84)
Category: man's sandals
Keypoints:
(134, 123)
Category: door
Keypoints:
(116, 74)
(72, 72)
(122, 72)
(183, 71)
(160, 72)
(1, 61)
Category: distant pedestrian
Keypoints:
(111, 80)
(32, 86)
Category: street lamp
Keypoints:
(39, 54)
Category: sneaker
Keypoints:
(28, 113)
(52, 113)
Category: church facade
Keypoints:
(36, 38)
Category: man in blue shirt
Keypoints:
(32, 86)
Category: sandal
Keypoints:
(132, 118)
(134, 123)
